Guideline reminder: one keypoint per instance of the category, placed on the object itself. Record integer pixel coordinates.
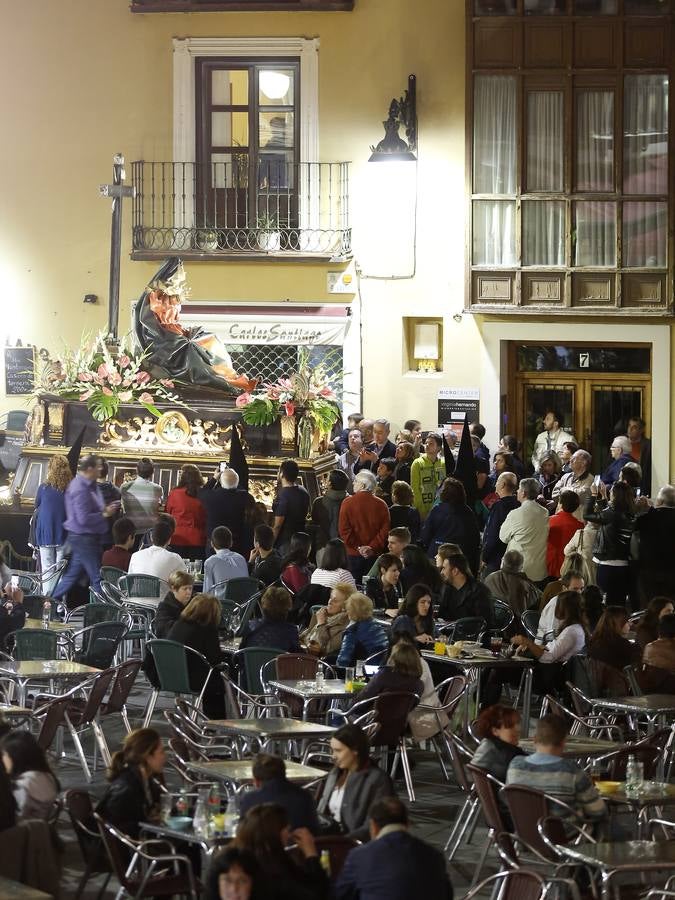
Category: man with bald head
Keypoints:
(226, 505)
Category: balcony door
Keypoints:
(585, 384)
(247, 144)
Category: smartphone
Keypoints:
(14, 581)
(223, 466)
(638, 492)
(596, 481)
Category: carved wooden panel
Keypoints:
(595, 44)
(590, 289)
(542, 289)
(150, 6)
(646, 43)
(496, 44)
(493, 287)
(546, 45)
(644, 291)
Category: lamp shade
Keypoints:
(426, 340)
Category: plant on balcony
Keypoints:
(306, 391)
(92, 374)
(269, 235)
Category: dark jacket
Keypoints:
(129, 800)
(495, 755)
(494, 549)
(382, 599)
(361, 640)
(395, 866)
(513, 588)
(388, 451)
(472, 600)
(362, 788)
(656, 533)
(406, 517)
(325, 516)
(388, 681)
(448, 524)
(278, 635)
(229, 508)
(168, 612)
(269, 569)
(10, 622)
(614, 535)
(615, 651)
(296, 800)
(613, 470)
(204, 639)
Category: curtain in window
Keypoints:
(544, 141)
(494, 135)
(645, 232)
(595, 234)
(595, 141)
(645, 123)
(494, 233)
(543, 233)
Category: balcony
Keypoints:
(237, 210)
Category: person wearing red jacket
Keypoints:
(189, 513)
(363, 524)
(561, 527)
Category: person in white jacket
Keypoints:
(554, 437)
(526, 529)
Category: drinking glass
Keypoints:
(349, 679)
(360, 671)
(496, 645)
(165, 805)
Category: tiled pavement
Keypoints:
(433, 813)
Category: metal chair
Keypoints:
(530, 622)
(142, 873)
(451, 691)
(112, 574)
(171, 663)
(230, 612)
(630, 673)
(96, 862)
(503, 615)
(93, 613)
(521, 884)
(250, 661)
(240, 589)
(239, 623)
(29, 583)
(99, 643)
(112, 594)
(467, 629)
(81, 715)
(138, 585)
(51, 576)
(616, 761)
(203, 743)
(527, 806)
(34, 643)
(52, 713)
(487, 787)
(290, 666)
(125, 676)
(465, 820)
(591, 726)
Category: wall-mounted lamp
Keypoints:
(426, 349)
(90, 298)
(402, 112)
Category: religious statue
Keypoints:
(188, 355)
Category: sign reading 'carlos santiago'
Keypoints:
(262, 330)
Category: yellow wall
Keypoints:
(83, 79)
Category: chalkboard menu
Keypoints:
(19, 370)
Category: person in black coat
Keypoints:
(272, 786)
(493, 549)
(452, 522)
(171, 607)
(395, 865)
(384, 590)
(403, 672)
(402, 513)
(226, 505)
(197, 628)
(273, 630)
(135, 777)
(463, 596)
(655, 533)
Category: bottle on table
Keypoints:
(46, 613)
(320, 677)
(200, 821)
(231, 817)
(324, 859)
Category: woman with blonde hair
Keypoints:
(136, 782)
(403, 672)
(323, 636)
(197, 628)
(50, 514)
(363, 636)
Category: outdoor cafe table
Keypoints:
(331, 689)
(43, 670)
(240, 771)
(207, 845)
(581, 747)
(620, 857)
(64, 631)
(482, 661)
(266, 731)
(653, 706)
(653, 794)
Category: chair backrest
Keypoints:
(295, 665)
(29, 583)
(94, 613)
(35, 643)
(391, 713)
(630, 675)
(229, 613)
(580, 673)
(125, 676)
(97, 691)
(52, 574)
(503, 615)
(527, 806)
(246, 611)
(53, 718)
(118, 847)
(171, 664)
(81, 812)
(112, 574)
(467, 629)
(242, 589)
(606, 679)
(377, 659)
(250, 661)
(486, 788)
(339, 847)
(138, 585)
(112, 593)
(519, 884)
(453, 693)
(530, 622)
(580, 701)
(100, 643)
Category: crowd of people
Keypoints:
(393, 552)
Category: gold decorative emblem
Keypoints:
(173, 428)
(171, 432)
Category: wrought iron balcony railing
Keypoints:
(273, 208)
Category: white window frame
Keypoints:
(187, 50)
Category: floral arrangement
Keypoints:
(307, 389)
(92, 374)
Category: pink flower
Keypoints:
(107, 391)
(289, 407)
(326, 392)
(127, 381)
(242, 400)
(115, 378)
(167, 382)
(124, 361)
(103, 371)
(125, 396)
(273, 393)
(87, 394)
(85, 376)
(146, 398)
(142, 377)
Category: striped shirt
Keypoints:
(141, 500)
(561, 778)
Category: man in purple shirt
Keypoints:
(87, 525)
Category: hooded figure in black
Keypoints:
(188, 355)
